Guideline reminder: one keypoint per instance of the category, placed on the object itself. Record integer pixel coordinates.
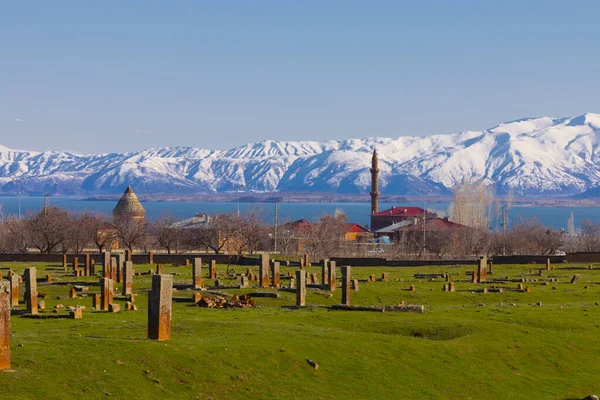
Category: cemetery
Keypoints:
(202, 330)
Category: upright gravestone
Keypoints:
(346, 276)
(4, 326)
(212, 270)
(275, 274)
(547, 264)
(482, 270)
(263, 271)
(159, 307)
(243, 281)
(106, 264)
(306, 261)
(31, 290)
(159, 269)
(88, 265)
(332, 278)
(113, 268)
(120, 264)
(106, 294)
(14, 290)
(128, 255)
(127, 278)
(76, 266)
(197, 273)
(64, 262)
(325, 272)
(150, 257)
(301, 288)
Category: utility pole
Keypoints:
(504, 224)
(276, 224)
(19, 198)
(46, 203)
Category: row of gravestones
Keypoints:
(159, 307)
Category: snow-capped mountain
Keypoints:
(534, 156)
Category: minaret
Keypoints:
(374, 183)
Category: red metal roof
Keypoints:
(402, 212)
(432, 225)
(354, 228)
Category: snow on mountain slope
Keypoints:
(532, 155)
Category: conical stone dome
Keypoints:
(129, 206)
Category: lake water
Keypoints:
(556, 217)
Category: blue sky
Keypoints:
(113, 76)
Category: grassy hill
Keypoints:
(466, 345)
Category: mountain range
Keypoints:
(533, 156)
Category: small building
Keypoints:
(129, 207)
(394, 215)
(355, 232)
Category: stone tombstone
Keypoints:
(159, 307)
(413, 288)
(575, 278)
(72, 293)
(197, 273)
(314, 279)
(325, 272)
(88, 265)
(64, 262)
(346, 277)
(520, 286)
(159, 269)
(31, 290)
(212, 269)
(106, 264)
(113, 268)
(475, 277)
(107, 292)
(547, 264)
(275, 278)
(150, 257)
(120, 263)
(490, 268)
(127, 278)
(76, 265)
(96, 301)
(384, 277)
(14, 290)
(482, 269)
(187, 262)
(372, 278)
(127, 255)
(263, 270)
(4, 325)
(300, 288)
(451, 286)
(332, 278)
(355, 285)
(244, 281)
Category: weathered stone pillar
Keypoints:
(306, 261)
(263, 270)
(212, 270)
(127, 255)
(490, 268)
(332, 278)
(29, 276)
(197, 273)
(244, 281)
(106, 264)
(96, 301)
(88, 265)
(150, 257)
(14, 290)
(482, 269)
(159, 307)
(547, 264)
(113, 269)
(325, 272)
(4, 326)
(301, 288)
(346, 276)
(107, 292)
(275, 274)
(127, 278)
(120, 263)
(159, 269)
(76, 266)
(64, 262)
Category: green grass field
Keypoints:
(466, 345)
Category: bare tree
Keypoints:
(473, 204)
(131, 232)
(14, 236)
(48, 230)
(250, 233)
(324, 238)
(531, 237)
(216, 235)
(81, 231)
(167, 235)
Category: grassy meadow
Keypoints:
(467, 345)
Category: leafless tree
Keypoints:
(131, 232)
(472, 204)
(167, 235)
(250, 232)
(531, 237)
(48, 230)
(80, 233)
(216, 235)
(324, 238)
(14, 236)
